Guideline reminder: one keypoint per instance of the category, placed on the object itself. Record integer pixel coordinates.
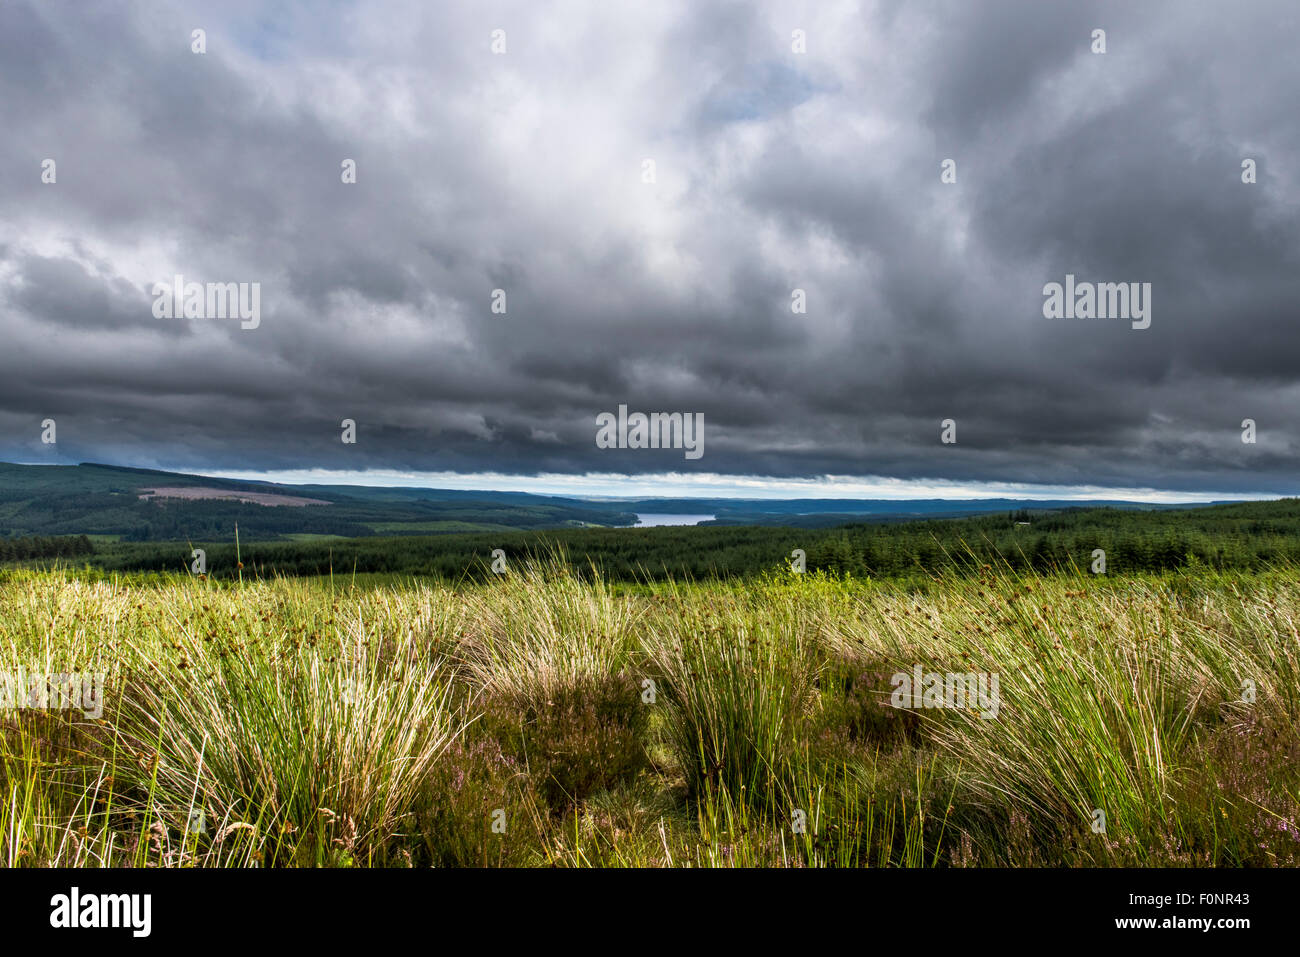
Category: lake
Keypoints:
(651, 519)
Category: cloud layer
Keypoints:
(774, 171)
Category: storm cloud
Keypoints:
(774, 170)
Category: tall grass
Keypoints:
(541, 630)
(739, 683)
(545, 718)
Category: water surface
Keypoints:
(651, 519)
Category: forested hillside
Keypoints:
(1239, 536)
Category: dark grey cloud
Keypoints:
(774, 171)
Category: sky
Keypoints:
(564, 208)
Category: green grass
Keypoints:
(547, 717)
(381, 528)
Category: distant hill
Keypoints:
(133, 504)
(827, 512)
(1239, 536)
(106, 500)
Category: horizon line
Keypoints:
(709, 485)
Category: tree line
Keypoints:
(40, 546)
(1245, 536)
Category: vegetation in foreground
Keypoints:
(545, 718)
